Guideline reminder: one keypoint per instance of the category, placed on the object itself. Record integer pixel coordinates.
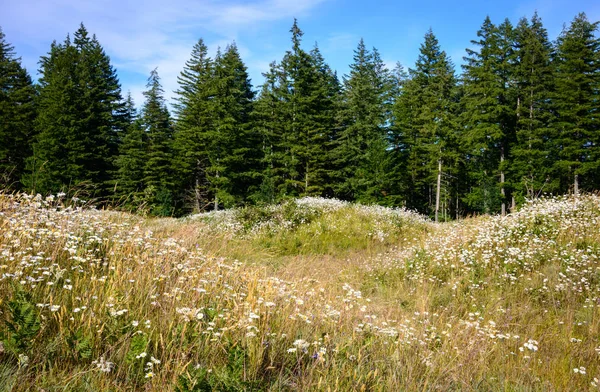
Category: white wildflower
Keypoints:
(103, 365)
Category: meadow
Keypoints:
(310, 295)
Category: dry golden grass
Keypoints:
(310, 295)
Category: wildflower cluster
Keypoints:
(128, 303)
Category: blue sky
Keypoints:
(142, 35)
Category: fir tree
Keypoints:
(398, 134)
(238, 152)
(80, 112)
(323, 127)
(131, 162)
(295, 115)
(431, 132)
(17, 112)
(361, 154)
(534, 151)
(194, 118)
(54, 162)
(102, 109)
(218, 151)
(577, 127)
(488, 115)
(267, 121)
(156, 123)
(194, 115)
(297, 84)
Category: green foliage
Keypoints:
(156, 122)
(17, 112)
(431, 134)
(232, 146)
(287, 214)
(302, 228)
(193, 112)
(80, 344)
(521, 121)
(361, 154)
(228, 378)
(131, 161)
(534, 149)
(22, 324)
(218, 151)
(137, 346)
(577, 126)
(79, 113)
(296, 118)
(489, 107)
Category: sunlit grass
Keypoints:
(310, 295)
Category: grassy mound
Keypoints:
(315, 226)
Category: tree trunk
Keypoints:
(437, 193)
(502, 192)
(217, 198)
(197, 187)
(306, 180)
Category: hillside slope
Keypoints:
(309, 295)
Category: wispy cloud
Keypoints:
(553, 15)
(142, 35)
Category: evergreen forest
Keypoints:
(520, 119)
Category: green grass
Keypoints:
(309, 295)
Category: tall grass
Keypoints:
(309, 295)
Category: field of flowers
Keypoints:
(309, 295)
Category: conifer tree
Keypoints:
(323, 127)
(157, 125)
(398, 135)
(218, 151)
(131, 161)
(534, 149)
(577, 126)
(54, 164)
(194, 118)
(17, 114)
(80, 112)
(488, 115)
(265, 122)
(231, 144)
(298, 82)
(295, 115)
(431, 131)
(362, 157)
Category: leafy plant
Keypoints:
(228, 378)
(80, 344)
(137, 347)
(23, 324)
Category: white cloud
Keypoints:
(142, 35)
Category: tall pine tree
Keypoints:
(232, 146)
(17, 112)
(534, 151)
(194, 117)
(80, 112)
(429, 99)
(362, 147)
(156, 123)
(577, 126)
(217, 149)
(131, 161)
(488, 115)
(296, 116)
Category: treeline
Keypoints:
(522, 119)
